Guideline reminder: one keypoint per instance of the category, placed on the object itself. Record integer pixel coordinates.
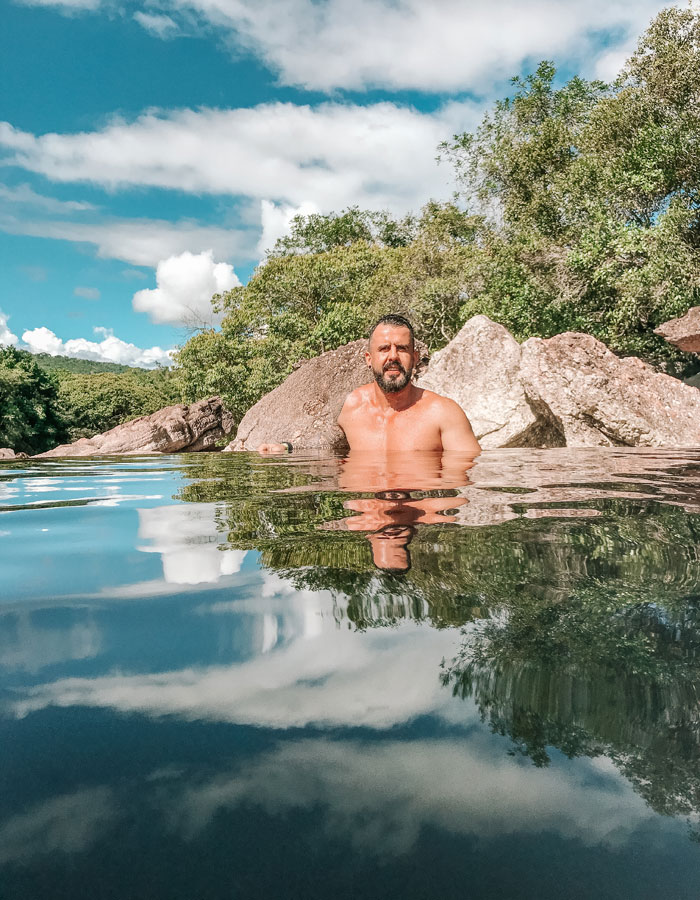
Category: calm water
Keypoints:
(235, 677)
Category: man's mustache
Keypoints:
(393, 365)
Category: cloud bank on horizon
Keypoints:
(336, 104)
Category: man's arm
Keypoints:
(455, 430)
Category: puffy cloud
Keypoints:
(183, 535)
(159, 25)
(186, 284)
(87, 293)
(276, 221)
(446, 45)
(109, 349)
(7, 338)
(332, 155)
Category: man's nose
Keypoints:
(393, 352)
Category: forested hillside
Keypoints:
(43, 405)
(79, 366)
(577, 208)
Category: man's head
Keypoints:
(391, 353)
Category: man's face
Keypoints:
(392, 357)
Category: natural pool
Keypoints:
(234, 676)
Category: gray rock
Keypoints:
(304, 408)
(684, 332)
(178, 428)
(480, 370)
(595, 398)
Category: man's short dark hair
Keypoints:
(396, 321)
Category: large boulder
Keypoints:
(568, 390)
(6, 453)
(480, 370)
(304, 408)
(684, 333)
(597, 399)
(178, 428)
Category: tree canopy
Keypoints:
(577, 208)
(30, 414)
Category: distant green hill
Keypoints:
(80, 366)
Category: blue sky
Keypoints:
(151, 152)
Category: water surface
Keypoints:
(235, 676)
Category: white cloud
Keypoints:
(109, 349)
(7, 338)
(161, 26)
(66, 824)
(87, 293)
(187, 539)
(445, 45)
(332, 155)
(276, 221)
(67, 6)
(380, 795)
(186, 284)
(34, 273)
(141, 242)
(25, 195)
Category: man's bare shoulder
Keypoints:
(357, 398)
(439, 403)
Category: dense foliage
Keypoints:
(578, 209)
(591, 196)
(95, 402)
(45, 401)
(82, 366)
(30, 411)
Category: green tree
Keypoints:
(323, 286)
(591, 197)
(30, 413)
(95, 402)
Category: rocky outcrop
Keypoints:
(177, 428)
(304, 408)
(6, 453)
(684, 333)
(568, 390)
(480, 370)
(594, 398)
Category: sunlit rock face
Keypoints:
(173, 429)
(684, 332)
(480, 370)
(568, 390)
(598, 399)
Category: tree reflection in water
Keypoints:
(580, 616)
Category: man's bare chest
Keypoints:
(389, 430)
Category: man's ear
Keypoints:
(368, 359)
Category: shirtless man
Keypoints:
(391, 414)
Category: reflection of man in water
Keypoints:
(391, 414)
(390, 517)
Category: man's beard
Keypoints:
(393, 385)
